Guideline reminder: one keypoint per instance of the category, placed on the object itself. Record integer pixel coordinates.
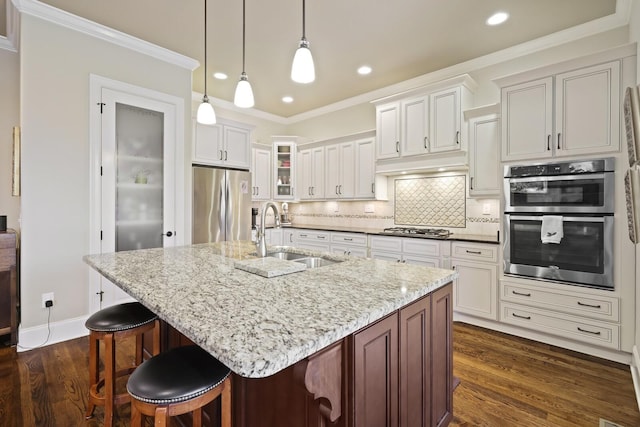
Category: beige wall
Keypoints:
(9, 117)
(56, 64)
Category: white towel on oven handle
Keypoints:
(551, 230)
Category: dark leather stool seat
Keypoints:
(176, 382)
(111, 323)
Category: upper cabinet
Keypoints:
(311, 164)
(225, 144)
(284, 168)
(425, 121)
(340, 170)
(261, 173)
(570, 109)
(484, 149)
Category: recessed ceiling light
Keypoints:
(364, 70)
(287, 99)
(220, 76)
(497, 18)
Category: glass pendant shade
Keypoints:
(206, 115)
(244, 94)
(303, 70)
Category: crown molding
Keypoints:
(65, 19)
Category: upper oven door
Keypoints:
(580, 193)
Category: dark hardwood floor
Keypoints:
(504, 381)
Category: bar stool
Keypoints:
(111, 324)
(176, 382)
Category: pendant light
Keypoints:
(205, 115)
(302, 70)
(244, 95)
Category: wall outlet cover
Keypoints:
(368, 208)
(47, 297)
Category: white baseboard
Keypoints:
(635, 372)
(36, 336)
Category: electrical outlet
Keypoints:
(368, 208)
(47, 297)
(486, 209)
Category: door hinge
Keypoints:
(101, 104)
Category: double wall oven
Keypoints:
(558, 222)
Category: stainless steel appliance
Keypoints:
(221, 205)
(558, 222)
(440, 233)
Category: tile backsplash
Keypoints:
(434, 201)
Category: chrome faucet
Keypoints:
(261, 244)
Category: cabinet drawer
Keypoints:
(386, 256)
(354, 239)
(429, 248)
(474, 252)
(595, 307)
(312, 236)
(564, 325)
(387, 244)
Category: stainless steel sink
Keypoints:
(285, 255)
(316, 261)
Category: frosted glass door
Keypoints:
(139, 178)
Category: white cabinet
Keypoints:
(580, 115)
(365, 167)
(484, 143)
(427, 252)
(354, 244)
(288, 237)
(313, 239)
(476, 288)
(311, 167)
(284, 169)
(223, 144)
(273, 236)
(261, 174)
(340, 170)
(427, 121)
(580, 315)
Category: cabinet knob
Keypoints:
(168, 234)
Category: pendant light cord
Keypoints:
(303, 19)
(243, 32)
(205, 48)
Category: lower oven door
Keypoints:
(584, 256)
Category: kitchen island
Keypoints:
(360, 342)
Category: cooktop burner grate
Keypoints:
(431, 232)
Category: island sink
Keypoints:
(308, 260)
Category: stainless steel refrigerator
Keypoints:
(221, 204)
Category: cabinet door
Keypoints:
(317, 173)
(332, 174)
(475, 290)
(442, 356)
(587, 114)
(484, 168)
(445, 117)
(388, 130)
(365, 169)
(261, 179)
(346, 187)
(237, 147)
(288, 237)
(284, 176)
(527, 114)
(415, 126)
(415, 364)
(305, 174)
(208, 146)
(375, 371)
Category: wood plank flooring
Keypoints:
(504, 381)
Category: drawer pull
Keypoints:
(589, 305)
(303, 235)
(522, 294)
(348, 239)
(321, 237)
(589, 332)
(521, 317)
(474, 252)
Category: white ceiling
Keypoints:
(400, 39)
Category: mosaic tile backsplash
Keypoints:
(433, 201)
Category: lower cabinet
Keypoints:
(476, 288)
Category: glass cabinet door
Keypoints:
(284, 176)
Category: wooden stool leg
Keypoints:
(109, 375)
(225, 416)
(156, 337)
(94, 366)
(139, 348)
(162, 416)
(197, 417)
(136, 415)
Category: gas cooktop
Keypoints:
(426, 232)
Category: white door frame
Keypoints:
(96, 86)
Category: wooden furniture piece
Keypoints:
(179, 381)
(9, 290)
(111, 324)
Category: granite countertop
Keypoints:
(477, 238)
(258, 326)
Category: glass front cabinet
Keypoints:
(284, 168)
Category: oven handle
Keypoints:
(564, 218)
(557, 178)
